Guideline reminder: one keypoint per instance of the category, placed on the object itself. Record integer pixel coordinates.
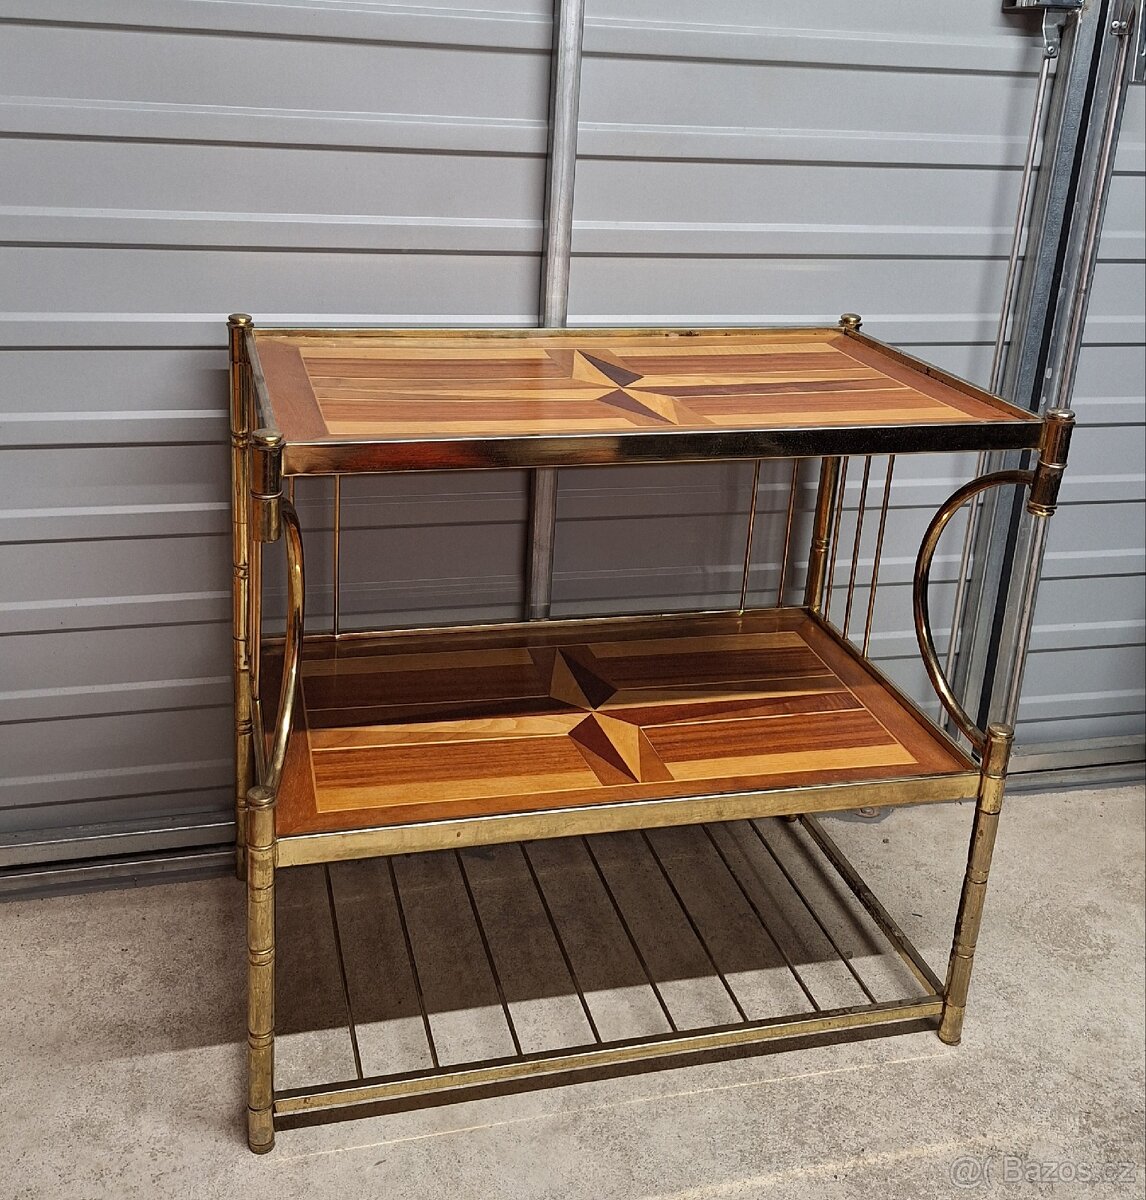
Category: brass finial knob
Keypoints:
(851, 321)
(270, 439)
(240, 319)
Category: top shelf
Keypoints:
(394, 400)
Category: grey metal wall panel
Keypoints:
(367, 164)
(286, 74)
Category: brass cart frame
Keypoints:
(262, 513)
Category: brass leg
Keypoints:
(990, 801)
(260, 968)
(238, 324)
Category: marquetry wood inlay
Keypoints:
(413, 728)
(389, 387)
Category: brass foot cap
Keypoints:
(947, 1040)
(261, 1148)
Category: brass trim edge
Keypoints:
(458, 832)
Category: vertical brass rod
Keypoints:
(860, 510)
(290, 488)
(693, 925)
(748, 536)
(841, 497)
(821, 528)
(255, 626)
(351, 1026)
(812, 912)
(336, 566)
(992, 781)
(488, 953)
(793, 491)
(878, 553)
(629, 934)
(763, 922)
(560, 943)
(260, 859)
(240, 423)
(414, 972)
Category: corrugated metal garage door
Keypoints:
(383, 163)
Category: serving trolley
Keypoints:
(356, 745)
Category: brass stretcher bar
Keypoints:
(356, 745)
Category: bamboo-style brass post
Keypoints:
(237, 326)
(821, 533)
(1053, 452)
(266, 522)
(260, 842)
(825, 502)
(266, 484)
(992, 780)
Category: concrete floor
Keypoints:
(120, 1052)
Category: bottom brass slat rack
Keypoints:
(428, 957)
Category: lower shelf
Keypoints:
(425, 979)
(415, 741)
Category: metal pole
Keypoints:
(565, 94)
(1033, 310)
(1052, 44)
(1113, 76)
(1123, 29)
(1052, 34)
(1025, 621)
(1061, 199)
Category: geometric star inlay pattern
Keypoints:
(432, 392)
(408, 388)
(402, 728)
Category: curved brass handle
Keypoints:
(922, 580)
(292, 646)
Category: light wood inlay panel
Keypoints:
(386, 387)
(401, 728)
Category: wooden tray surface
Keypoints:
(409, 728)
(456, 389)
